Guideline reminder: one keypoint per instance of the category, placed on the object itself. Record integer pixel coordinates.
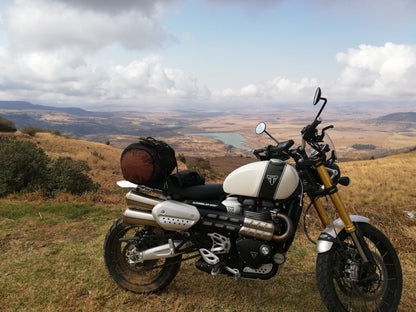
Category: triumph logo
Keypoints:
(272, 178)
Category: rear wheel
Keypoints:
(120, 244)
(347, 284)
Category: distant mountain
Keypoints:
(21, 105)
(82, 123)
(395, 117)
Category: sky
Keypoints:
(206, 53)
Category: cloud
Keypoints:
(58, 77)
(53, 56)
(53, 25)
(149, 80)
(148, 7)
(379, 72)
(276, 90)
(48, 77)
(369, 73)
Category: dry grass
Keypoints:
(51, 251)
(51, 260)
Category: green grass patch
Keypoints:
(48, 210)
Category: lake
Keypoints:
(230, 138)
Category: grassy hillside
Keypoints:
(51, 251)
(104, 160)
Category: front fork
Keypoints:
(358, 240)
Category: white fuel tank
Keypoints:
(269, 179)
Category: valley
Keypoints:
(228, 132)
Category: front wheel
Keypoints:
(347, 284)
(122, 241)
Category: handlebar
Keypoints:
(310, 132)
(310, 136)
(280, 151)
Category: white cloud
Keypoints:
(60, 78)
(53, 49)
(46, 76)
(276, 90)
(149, 80)
(378, 72)
(52, 25)
(70, 77)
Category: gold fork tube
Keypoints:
(339, 205)
(321, 212)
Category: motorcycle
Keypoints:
(244, 227)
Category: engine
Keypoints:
(256, 250)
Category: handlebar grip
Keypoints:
(310, 130)
(258, 151)
(290, 143)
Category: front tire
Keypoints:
(147, 277)
(342, 279)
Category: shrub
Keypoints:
(68, 175)
(56, 132)
(7, 125)
(199, 164)
(97, 155)
(31, 130)
(23, 166)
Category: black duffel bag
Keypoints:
(186, 178)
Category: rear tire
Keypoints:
(147, 277)
(336, 273)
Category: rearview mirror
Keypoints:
(317, 96)
(261, 127)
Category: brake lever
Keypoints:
(326, 128)
(265, 150)
(321, 137)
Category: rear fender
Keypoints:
(325, 240)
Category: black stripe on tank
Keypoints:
(271, 180)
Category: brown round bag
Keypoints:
(147, 161)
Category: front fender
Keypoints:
(325, 240)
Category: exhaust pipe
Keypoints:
(132, 216)
(290, 229)
(247, 226)
(136, 203)
(265, 230)
(257, 229)
(141, 201)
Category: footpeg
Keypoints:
(217, 267)
(208, 256)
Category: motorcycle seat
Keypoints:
(196, 192)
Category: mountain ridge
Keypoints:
(24, 105)
(397, 117)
